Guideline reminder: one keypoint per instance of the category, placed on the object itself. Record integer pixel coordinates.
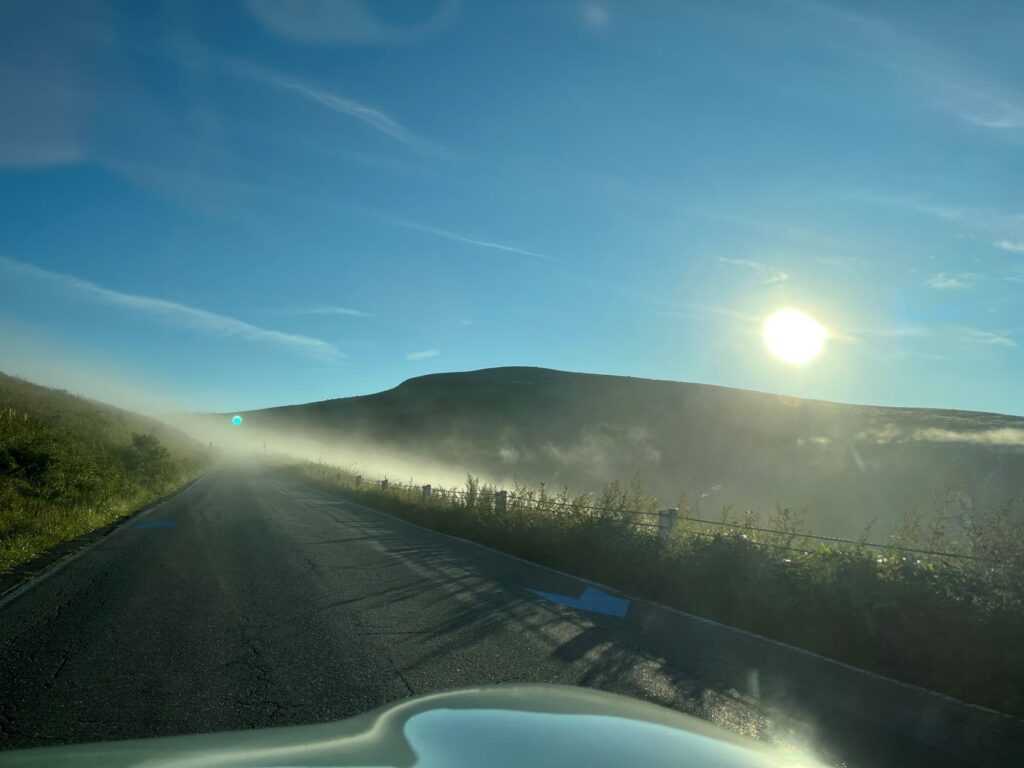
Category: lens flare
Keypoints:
(237, 420)
(793, 337)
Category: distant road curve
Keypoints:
(250, 600)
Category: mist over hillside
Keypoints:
(847, 464)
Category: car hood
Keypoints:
(530, 726)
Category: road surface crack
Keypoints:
(393, 632)
(56, 673)
(362, 627)
(401, 676)
(260, 682)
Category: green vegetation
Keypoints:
(69, 465)
(951, 625)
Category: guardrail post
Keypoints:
(500, 502)
(426, 493)
(668, 519)
(384, 484)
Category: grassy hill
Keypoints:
(848, 465)
(70, 465)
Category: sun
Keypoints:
(793, 337)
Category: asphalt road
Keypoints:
(251, 600)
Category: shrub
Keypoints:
(68, 465)
(955, 626)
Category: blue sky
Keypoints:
(239, 204)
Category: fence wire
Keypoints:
(550, 504)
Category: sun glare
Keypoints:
(793, 337)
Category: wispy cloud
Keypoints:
(505, 247)
(989, 338)
(765, 274)
(900, 332)
(347, 21)
(1010, 245)
(374, 117)
(747, 322)
(689, 309)
(980, 219)
(777, 229)
(371, 116)
(1006, 226)
(962, 333)
(835, 261)
(943, 281)
(423, 354)
(179, 314)
(902, 353)
(188, 184)
(595, 15)
(323, 309)
(945, 81)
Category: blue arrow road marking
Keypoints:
(160, 524)
(593, 600)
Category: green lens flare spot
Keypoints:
(237, 420)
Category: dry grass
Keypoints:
(951, 626)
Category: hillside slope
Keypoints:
(847, 464)
(69, 465)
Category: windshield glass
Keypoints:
(354, 351)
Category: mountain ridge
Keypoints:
(847, 463)
(543, 369)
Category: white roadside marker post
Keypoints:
(668, 519)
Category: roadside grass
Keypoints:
(952, 626)
(70, 465)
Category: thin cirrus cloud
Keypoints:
(423, 354)
(995, 222)
(776, 229)
(595, 15)
(988, 338)
(764, 274)
(688, 309)
(943, 281)
(183, 315)
(1010, 245)
(944, 80)
(324, 309)
(491, 244)
(346, 21)
(898, 332)
(375, 118)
